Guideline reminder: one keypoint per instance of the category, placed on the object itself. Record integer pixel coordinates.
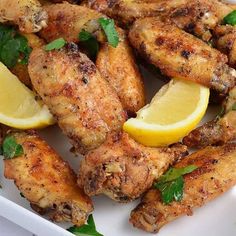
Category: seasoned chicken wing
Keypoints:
(123, 169)
(47, 181)
(214, 176)
(27, 14)
(179, 54)
(83, 103)
(218, 131)
(118, 67)
(68, 20)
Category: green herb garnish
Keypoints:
(108, 26)
(89, 42)
(10, 148)
(88, 229)
(171, 184)
(13, 47)
(230, 18)
(55, 44)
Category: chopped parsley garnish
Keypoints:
(230, 18)
(89, 42)
(13, 47)
(55, 44)
(171, 184)
(88, 229)
(109, 29)
(10, 148)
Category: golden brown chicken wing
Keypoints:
(47, 181)
(218, 131)
(27, 14)
(84, 104)
(179, 54)
(118, 67)
(215, 175)
(123, 169)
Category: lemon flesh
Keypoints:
(18, 106)
(173, 112)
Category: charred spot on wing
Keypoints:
(186, 54)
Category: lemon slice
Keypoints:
(173, 112)
(18, 107)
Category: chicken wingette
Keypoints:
(47, 181)
(215, 175)
(221, 130)
(85, 106)
(27, 14)
(122, 169)
(179, 54)
(118, 67)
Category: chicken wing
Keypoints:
(218, 131)
(179, 54)
(83, 103)
(214, 176)
(47, 181)
(118, 67)
(27, 14)
(67, 20)
(123, 169)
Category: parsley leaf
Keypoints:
(234, 107)
(108, 26)
(13, 47)
(171, 184)
(10, 148)
(55, 44)
(88, 229)
(89, 42)
(230, 18)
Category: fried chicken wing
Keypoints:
(67, 20)
(179, 54)
(27, 14)
(84, 104)
(118, 67)
(122, 169)
(47, 181)
(218, 131)
(214, 176)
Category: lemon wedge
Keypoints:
(18, 107)
(173, 112)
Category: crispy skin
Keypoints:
(123, 169)
(67, 20)
(118, 67)
(47, 181)
(218, 131)
(214, 176)
(84, 104)
(27, 14)
(179, 54)
(20, 70)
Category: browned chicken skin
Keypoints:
(214, 176)
(179, 54)
(84, 104)
(27, 14)
(118, 67)
(218, 131)
(123, 169)
(47, 181)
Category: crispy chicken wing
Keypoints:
(118, 67)
(215, 175)
(218, 131)
(84, 104)
(179, 54)
(27, 14)
(123, 169)
(47, 181)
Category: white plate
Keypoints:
(215, 219)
